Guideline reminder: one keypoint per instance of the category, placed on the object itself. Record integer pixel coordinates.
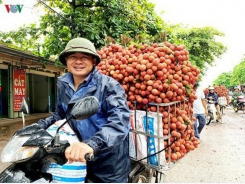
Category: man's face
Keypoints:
(211, 90)
(80, 64)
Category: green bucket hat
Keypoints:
(79, 45)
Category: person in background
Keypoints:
(235, 94)
(211, 95)
(200, 111)
(243, 89)
(239, 87)
(104, 134)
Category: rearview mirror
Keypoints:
(24, 110)
(85, 108)
(24, 107)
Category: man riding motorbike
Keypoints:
(234, 99)
(214, 97)
(105, 134)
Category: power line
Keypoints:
(48, 7)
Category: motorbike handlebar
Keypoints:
(88, 157)
(210, 101)
(60, 152)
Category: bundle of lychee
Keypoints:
(151, 73)
(158, 73)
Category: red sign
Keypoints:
(19, 88)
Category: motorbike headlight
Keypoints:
(14, 152)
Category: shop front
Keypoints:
(22, 75)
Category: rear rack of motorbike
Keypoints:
(146, 128)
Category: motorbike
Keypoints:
(240, 104)
(212, 112)
(32, 147)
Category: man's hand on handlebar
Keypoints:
(77, 151)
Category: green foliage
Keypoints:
(94, 20)
(188, 89)
(201, 44)
(238, 76)
(106, 21)
(232, 78)
(224, 79)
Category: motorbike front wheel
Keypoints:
(209, 118)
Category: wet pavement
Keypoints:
(220, 157)
(9, 126)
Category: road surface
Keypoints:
(220, 157)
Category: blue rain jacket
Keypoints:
(214, 97)
(106, 132)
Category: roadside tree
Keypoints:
(201, 44)
(238, 76)
(108, 21)
(224, 79)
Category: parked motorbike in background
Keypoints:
(240, 104)
(32, 147)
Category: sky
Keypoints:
(224, 15)
(12, 21)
